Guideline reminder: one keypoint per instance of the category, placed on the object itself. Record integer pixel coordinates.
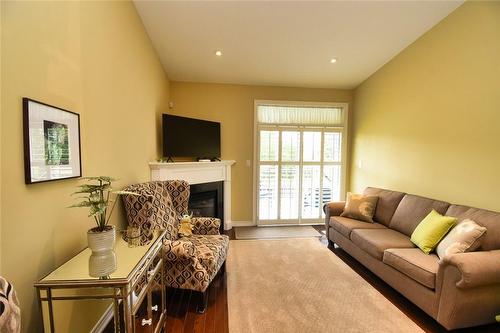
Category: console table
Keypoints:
(136, 287)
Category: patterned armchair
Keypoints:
(190, 262)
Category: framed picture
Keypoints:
(51, 142)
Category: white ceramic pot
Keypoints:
(101, 241)
(102, 264)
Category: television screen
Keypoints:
(188, 137)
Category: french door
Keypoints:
(299, 168)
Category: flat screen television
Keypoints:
(188, 137)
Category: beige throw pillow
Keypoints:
(466, 236)
(360, 207)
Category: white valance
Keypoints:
(300, 115)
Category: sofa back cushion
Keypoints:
(387, 203)
(412, 210)
(488, 219)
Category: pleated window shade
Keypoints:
(300, 115)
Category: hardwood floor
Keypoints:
(182, 316)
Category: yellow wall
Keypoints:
(93, 58)
(428, 122)
(233, 106)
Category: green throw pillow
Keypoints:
(431, 230)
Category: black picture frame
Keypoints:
(52, 145)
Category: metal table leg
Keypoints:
(127, 309)
(116, 309)
(51, 311)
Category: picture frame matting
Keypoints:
(52, 148)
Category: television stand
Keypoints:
(169, 160)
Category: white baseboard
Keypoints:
(243, 223)
(106, 318)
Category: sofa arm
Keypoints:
(476, 269)
(205, 225)
(468, 285)
(178, 250)
(334, 208)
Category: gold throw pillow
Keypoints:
(360, 207)
(466, 236)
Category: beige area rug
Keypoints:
(298, 285)
(275, 232)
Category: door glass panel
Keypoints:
(289, 202)
(268, 192)
(269, 145)
(290, 146)
(332, 147)
(312, 146)
(310, 191)
(331, 184)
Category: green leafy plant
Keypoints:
(96, 196)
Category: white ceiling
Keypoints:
(284, 43)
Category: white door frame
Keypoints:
(344, 154)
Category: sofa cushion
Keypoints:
(387, 203)
(465, 237)
(415, 264)
(360, 207)
(431, 230)
(345, 225)
(376, 241)
(488, 219)
(210, 250)
(411, 211)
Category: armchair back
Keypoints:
(159, 205)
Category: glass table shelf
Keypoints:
(78, 268)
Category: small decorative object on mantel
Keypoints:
(51, 142)
(96, 197)
(186, 227)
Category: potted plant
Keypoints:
(96, 196)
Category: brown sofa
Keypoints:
(462, 290)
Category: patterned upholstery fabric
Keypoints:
(178, 249)
(10, 313)
(195, 272)
(205, 225)
(190, 262)
(151, 210)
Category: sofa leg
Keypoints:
(202, 302)
(331, 244)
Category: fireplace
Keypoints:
(206, 200)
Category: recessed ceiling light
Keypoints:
(333, 60)
(218, 53)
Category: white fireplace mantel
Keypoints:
(198, 173)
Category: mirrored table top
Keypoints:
(115, 265)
